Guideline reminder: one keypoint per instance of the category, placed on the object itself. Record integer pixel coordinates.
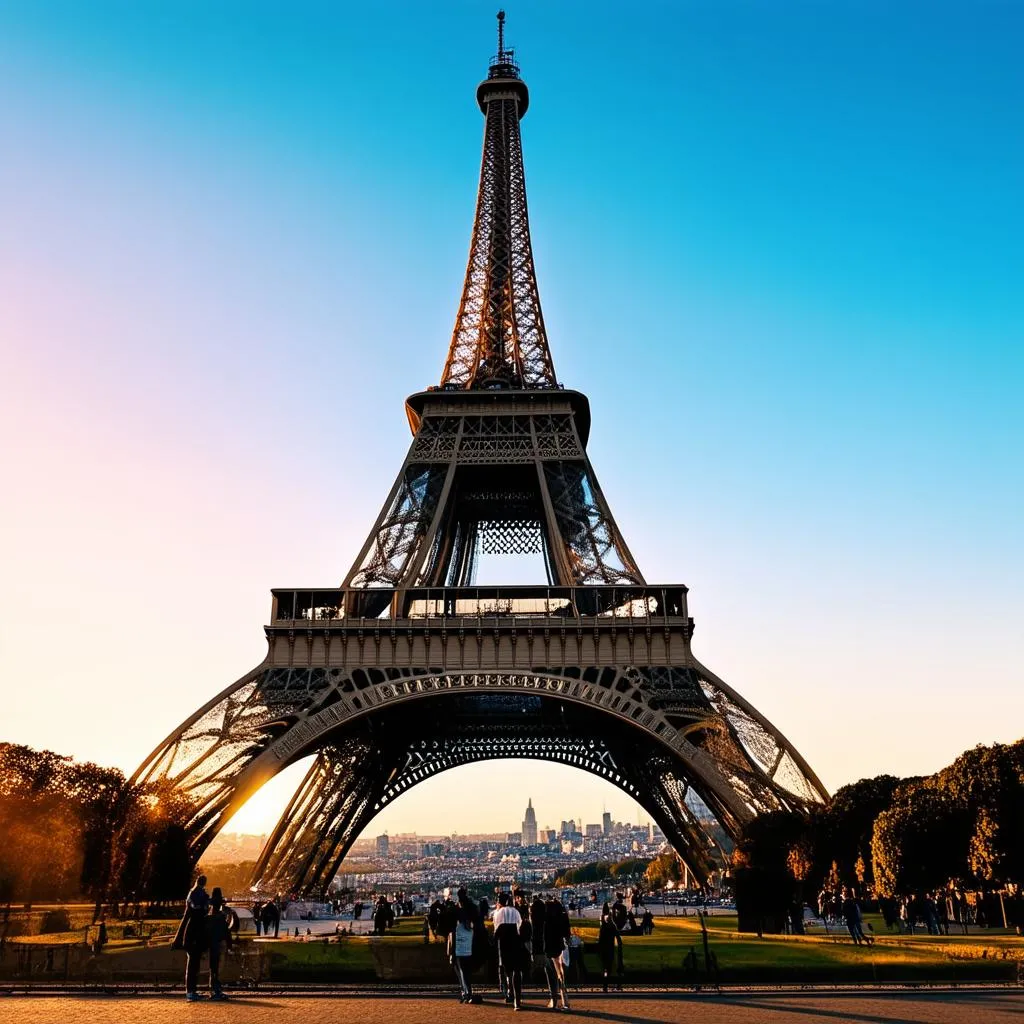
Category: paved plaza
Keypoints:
(992, 1007)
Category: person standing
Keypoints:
(191, 935)
(271, 916)
(218, 937)
(256, 919)
(538, 919)
(608, 943)
(579, 968)
(556, 942)
(619, 913)
(508, 923)
(460, 946)
(101, 935)
(854, 919)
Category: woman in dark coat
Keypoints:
(191, 935)
(608, 942)
(556, 939)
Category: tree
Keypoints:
(665, 868)
(842, 833)
(770, 863)
(921, 842)
(988, 784)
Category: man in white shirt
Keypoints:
(507, 923)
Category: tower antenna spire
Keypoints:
(501, 34)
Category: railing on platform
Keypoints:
(646, 604)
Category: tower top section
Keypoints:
(503, 75)
(499, 340)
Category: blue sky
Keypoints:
(780, 246)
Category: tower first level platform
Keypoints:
(480, 628)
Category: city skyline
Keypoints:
(814, 265)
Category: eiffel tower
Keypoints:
(409, 668)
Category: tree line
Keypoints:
(886, 837)
(77, 830)
(601, 870)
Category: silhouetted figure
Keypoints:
(383, 916)
(619, 913)
(271, 917)
(609, 946)
(101, 936)
(219, 937)
(538, 918)
(556, 943)
(191, 935)
(854, 919)
(508, 925)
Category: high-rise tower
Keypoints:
(530, 825)
(409, 668)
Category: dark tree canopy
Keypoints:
(963, 826)
(76, 829)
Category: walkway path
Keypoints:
(999, 1007)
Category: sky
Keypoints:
(779, 246)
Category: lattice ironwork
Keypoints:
(277, 715)
(499, 337)
(596, 549)
(401, 527)
(317, 830)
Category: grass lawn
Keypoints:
(811, 958)
(402, 956)
(351, 960)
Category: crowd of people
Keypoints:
(931, 912)
(532, 936)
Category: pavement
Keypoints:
(939, 1007)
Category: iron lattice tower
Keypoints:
(410, 668)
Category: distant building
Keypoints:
(547, 836)
(594, 831)
(513, 838)
(383, 845)
(530, 825)
(606, 823)
(568, 828)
